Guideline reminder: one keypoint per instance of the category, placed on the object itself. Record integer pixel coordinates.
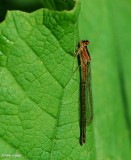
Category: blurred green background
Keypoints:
(24, 5)
(32, 5)
(107, 25)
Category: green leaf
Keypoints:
(39, 90)
(107, 27)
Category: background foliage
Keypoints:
(107, 25)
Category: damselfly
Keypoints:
(86, 112)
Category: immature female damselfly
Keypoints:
(86, 112)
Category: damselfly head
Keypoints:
(85, 42)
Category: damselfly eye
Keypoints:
(86, 42)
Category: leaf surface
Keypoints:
(39, 90)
